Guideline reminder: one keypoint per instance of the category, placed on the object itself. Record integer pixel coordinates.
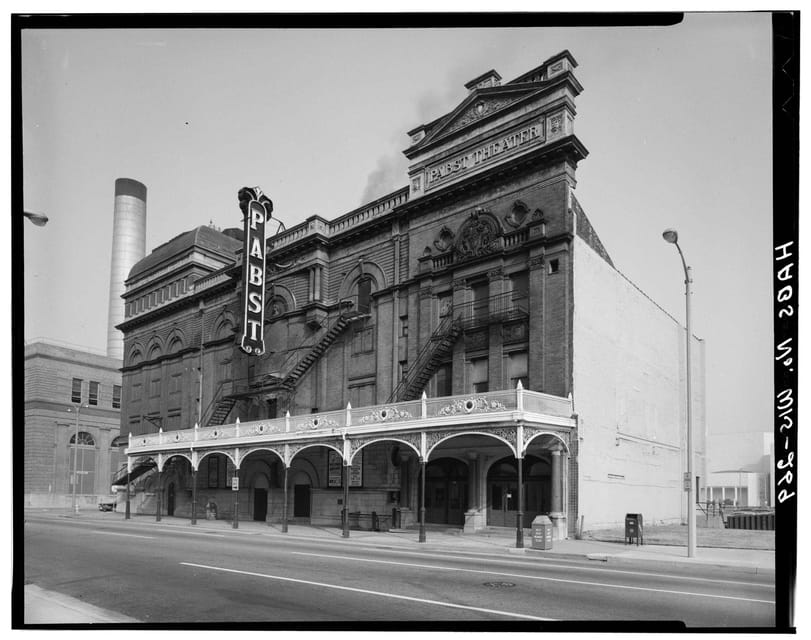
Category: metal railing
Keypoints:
(394, 415)
(424, 355)
(498, 308)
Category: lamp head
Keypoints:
(671, 236)
(39, 219)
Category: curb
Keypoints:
(682, 564)
(42, 607)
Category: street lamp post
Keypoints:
(672, 236)
(76, 457)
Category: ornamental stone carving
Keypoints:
(386, 414)
(510, 434)
(316, 423)
(432, 438)
(477, 111)
(516, 332)
(477, 340)
(474, 404)
(261, 429)
(459, 284)
(535, 263)
(518, 214)
(555, 125)
(479, 235)
(425, 292)
(445, 239)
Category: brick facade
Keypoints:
(50, 425)
(462, 282)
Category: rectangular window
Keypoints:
(444, 304)
(155, 388)
(135, 391)
(175, 383)
(479, 375)
(173, 422)
(364, 294)
(362, 395)
(363, 340)
(519, 283)
(116, 396)
(404, 327)
(480, 301)
(517, 369)
(93, 393)
(444, 380)
(403, 370)
(76, 390)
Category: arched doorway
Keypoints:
(446, 487)
(502, 490)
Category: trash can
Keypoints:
(633, 528)
(541, 533)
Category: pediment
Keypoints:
(477, 106)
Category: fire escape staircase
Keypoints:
(225, 402)
(337, 327)
(430, 357)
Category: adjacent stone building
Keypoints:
(422, 352)
(58, 381)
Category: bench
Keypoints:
(375, 521)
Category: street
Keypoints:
(171, 574)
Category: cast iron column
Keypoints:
(346, 502)
(236, 500)
(422, 500)
(158, 510)
(194, 496)
(284, 503)
(557, 499)
(519, 517)
(127, 508)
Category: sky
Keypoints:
(677, 121)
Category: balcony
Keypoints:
(496, 309)
(512, 406)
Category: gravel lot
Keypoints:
(674, 534)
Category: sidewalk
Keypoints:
(46, 608)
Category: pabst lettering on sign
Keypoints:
(256, 210)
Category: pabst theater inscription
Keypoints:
(505, 145)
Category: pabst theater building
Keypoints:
(461, 352)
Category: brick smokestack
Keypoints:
(129, 246)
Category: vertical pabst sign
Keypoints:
(256, 209)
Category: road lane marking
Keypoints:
(127, 535)
(195, 533)
(530, 577)
(368, 592)
(583, 567)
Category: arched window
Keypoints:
(85, 439)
